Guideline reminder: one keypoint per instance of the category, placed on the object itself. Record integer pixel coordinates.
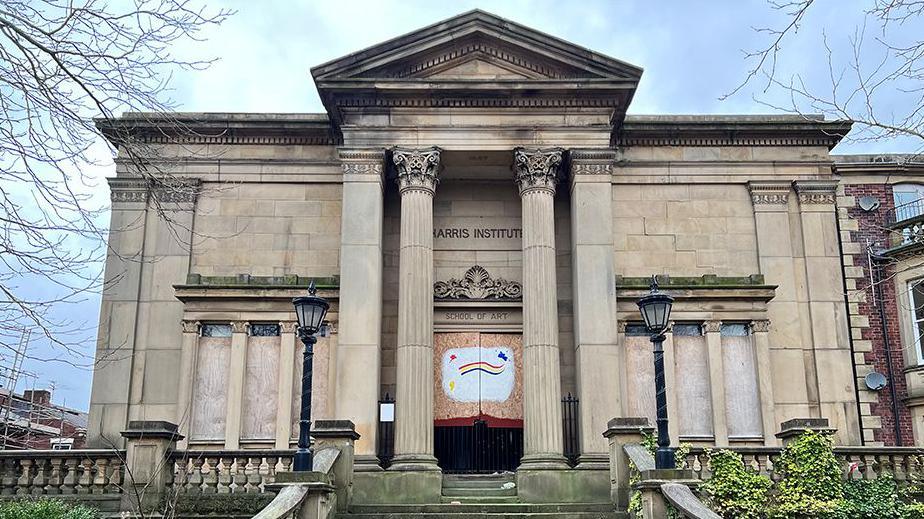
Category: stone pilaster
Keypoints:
(761, 331)
(417, 178)
(187, 375)
(775, 253)
(287, 355)
(827, 317)
(239, 332)
(536, 176)
(713, 334)
(359, 347)
(593, 272)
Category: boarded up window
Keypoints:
(319, 373)
(742, 394)
(639, 373)
(261, 383)
(691, 373)
(210, 389)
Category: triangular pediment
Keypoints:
(472, 46)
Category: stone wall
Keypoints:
(684, 230)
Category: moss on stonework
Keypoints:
(222, 504)
(707, 280)
(246, 280)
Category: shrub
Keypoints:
(734, 491)
(46, 509)
(871, 499)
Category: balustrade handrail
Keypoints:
(206, 453)
(52, 453)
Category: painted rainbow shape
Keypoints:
(490, 369)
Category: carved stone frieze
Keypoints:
(537, 168)
(477, 283)
(139, 190)
(776, 193)
(816, 191)
(417, 168)
(362, 161)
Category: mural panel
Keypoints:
(478, 377)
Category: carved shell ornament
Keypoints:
(477, 283)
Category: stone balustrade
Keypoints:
(59, 472)
(858, 462)
(225, 471)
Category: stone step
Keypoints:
(492, 515)
(476, 492)
(484, 499)
(486, 507)
(478, 480)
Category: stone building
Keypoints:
(483, 215)
(880, 213)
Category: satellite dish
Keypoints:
(875, 381)
(869, 203)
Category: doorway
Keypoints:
(478, 404)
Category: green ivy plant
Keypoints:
(811, 484)
(650, 442)
(735, 491)
(46, 509)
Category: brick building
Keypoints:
(32, 421)
(880, 216)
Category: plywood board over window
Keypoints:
(691, 372)
(260, 383)
(742, 394)
(210, 396)
(640, 386)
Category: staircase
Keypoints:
(485, 495)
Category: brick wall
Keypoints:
(859, 228)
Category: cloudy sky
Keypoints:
(692, 53)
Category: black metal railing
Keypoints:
(385, 443)
(478, 448)
(569, 421)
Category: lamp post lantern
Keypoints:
(310, 311)
(656, 311)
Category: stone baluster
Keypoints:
(85, 479)
(271, 463)
(115, 477)
(536, 172)
(255, 475)
(100, 479)
(417, 179)
(196, 481)
(25, 478)
(41, 477)
(69, 485)
(210, 476)
(55, 478)
(223, 471)
(240, 474)
(286, 462)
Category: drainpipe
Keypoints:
(876, 262)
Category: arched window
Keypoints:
(909, 201)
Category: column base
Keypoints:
(543, 462)
(366, 463)
(414, 463)
(593, 461)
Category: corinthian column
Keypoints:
(536, 175)
(417, 179)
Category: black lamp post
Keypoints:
(310, 311)
(656, 311)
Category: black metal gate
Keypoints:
(478, 448)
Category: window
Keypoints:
(264, 330)
(742, 391)
(916, 300)
(639, 372)
(692, 381)
(216, 330)
(909, 201)
(62, 444)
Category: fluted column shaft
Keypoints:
(417, 177)
(536, 175)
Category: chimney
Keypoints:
(37, 396)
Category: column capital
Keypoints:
(537, 168)
(712, 326)
(418, 169)
(769, 193)
(361, 161)
(760, 326)
(190, 326)
(816, 192)
(592, 161)
(239, 326)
